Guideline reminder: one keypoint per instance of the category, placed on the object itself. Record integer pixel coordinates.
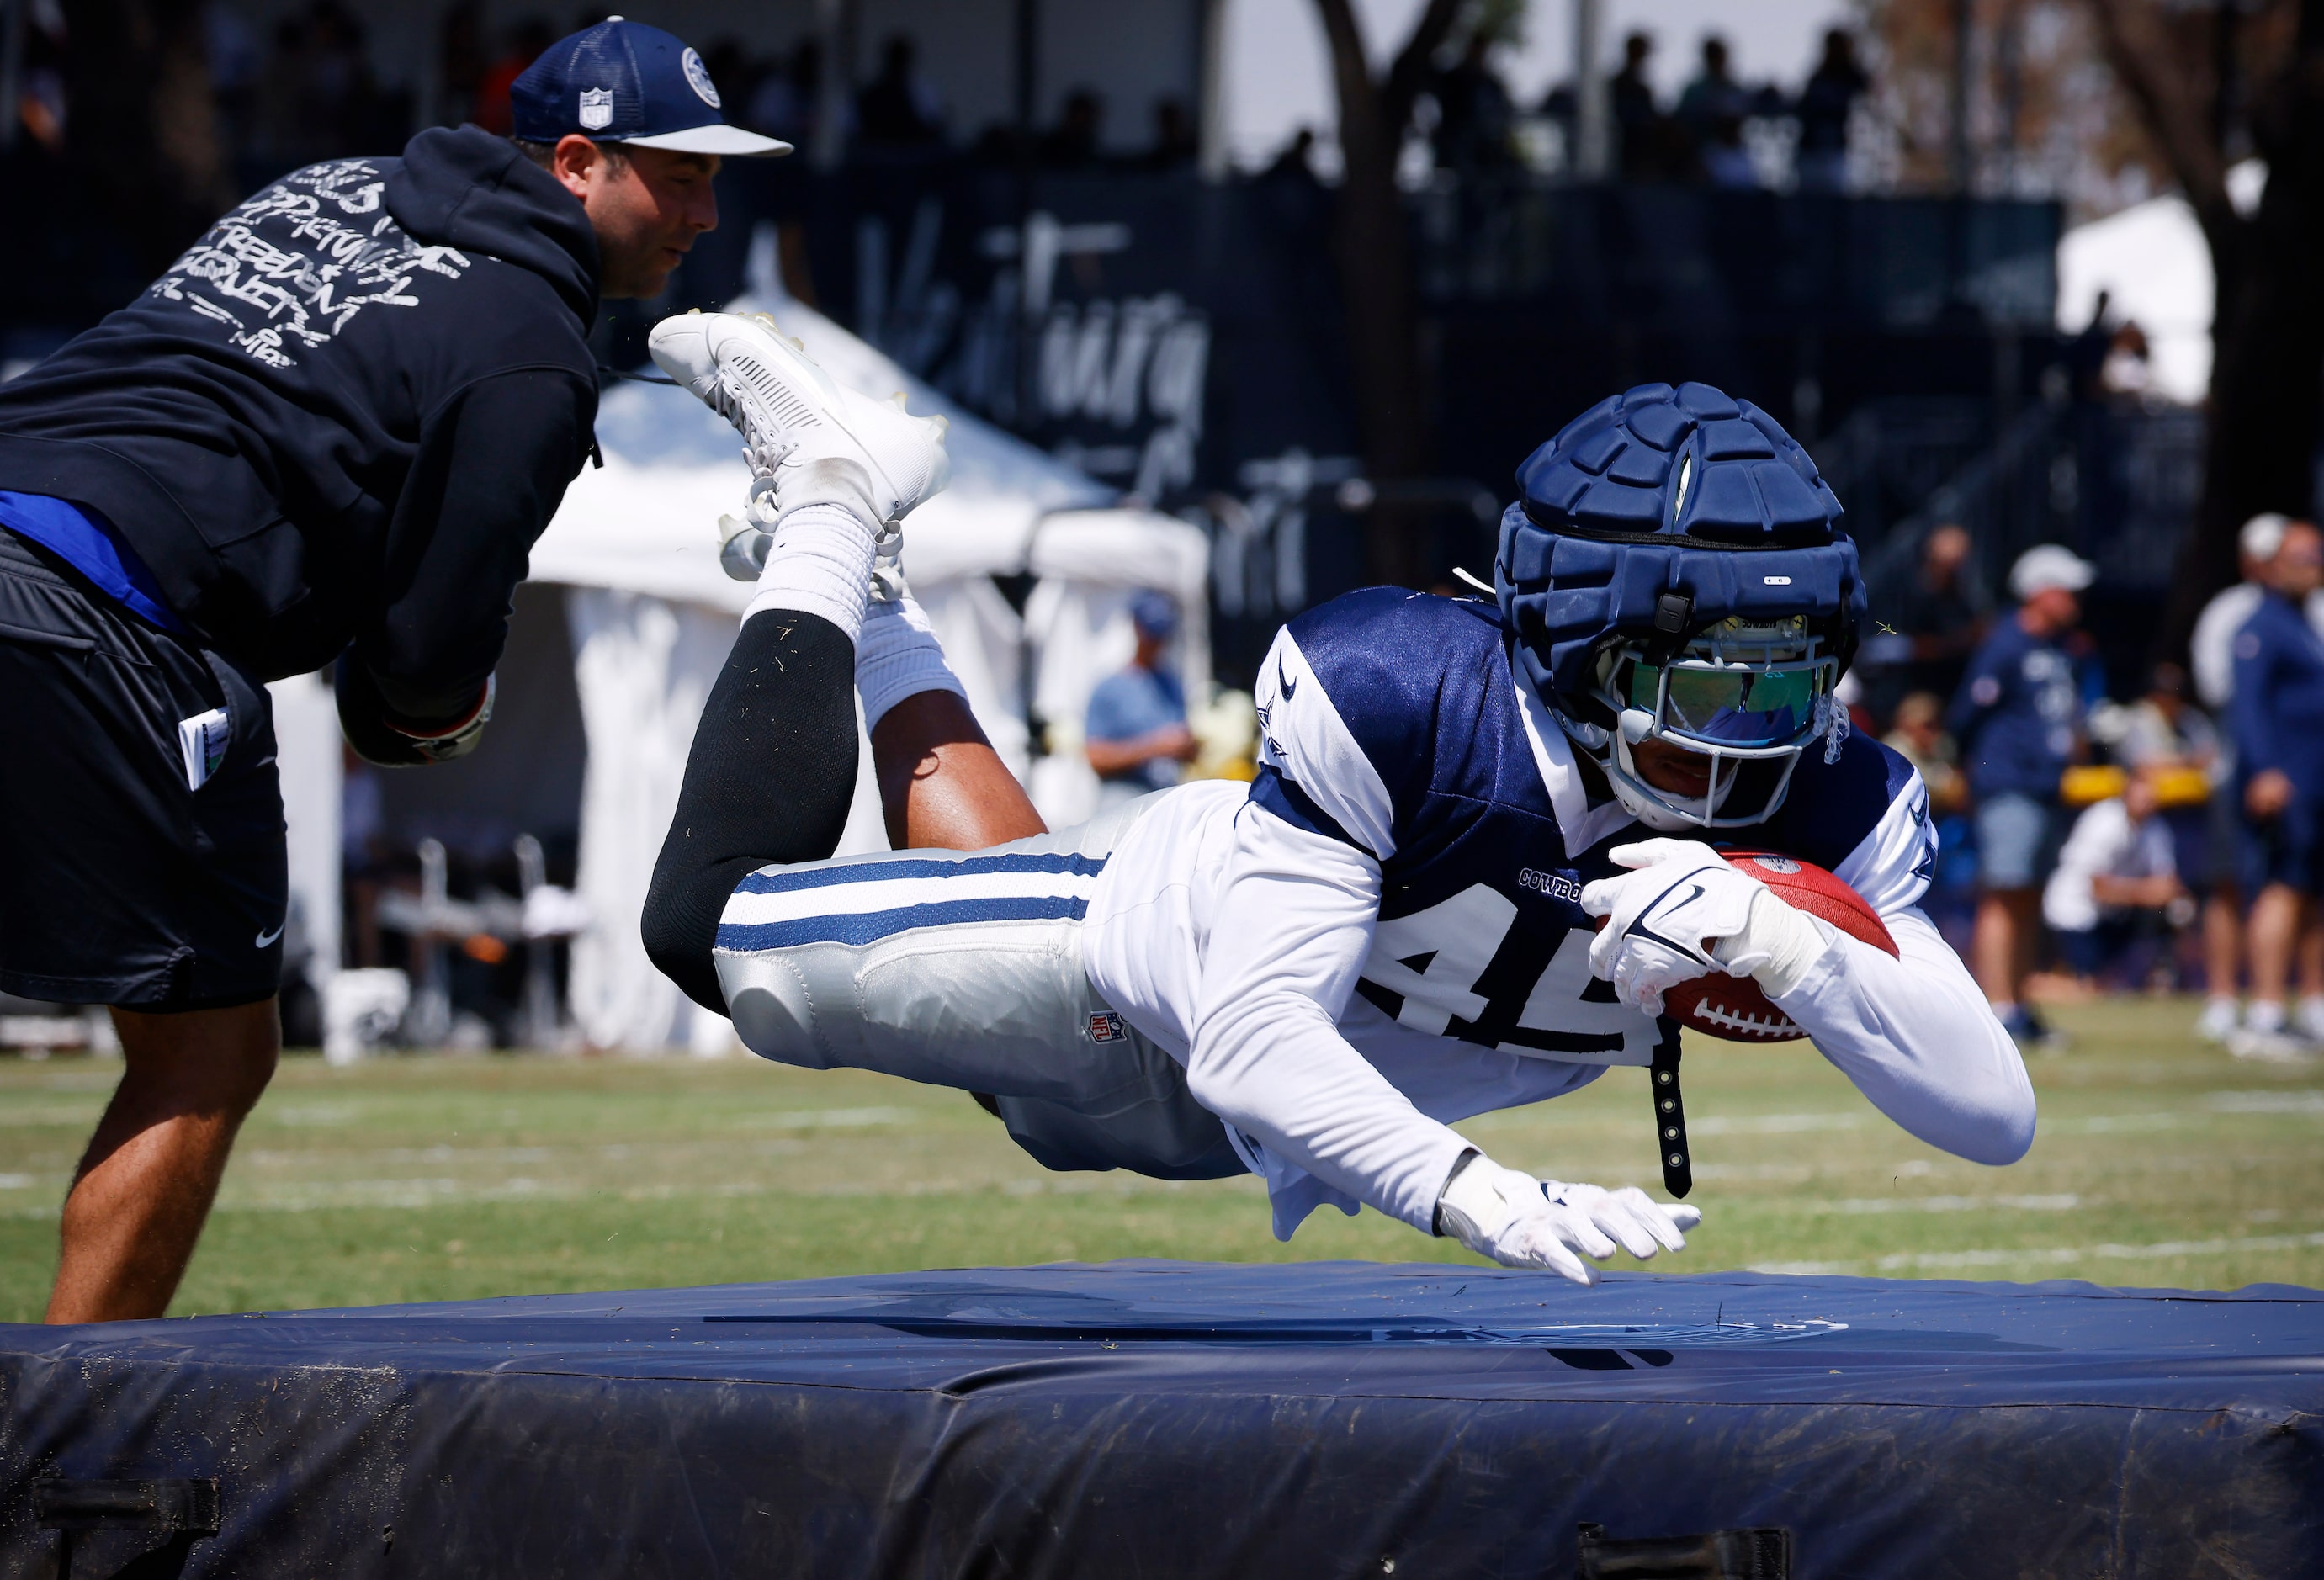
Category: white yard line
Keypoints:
(2056, 1255)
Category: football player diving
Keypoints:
(1314, 978)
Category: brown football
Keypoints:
(1734, 1009)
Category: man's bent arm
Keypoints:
(492, 468)
(1295, 925)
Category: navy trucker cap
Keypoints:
(623, 81)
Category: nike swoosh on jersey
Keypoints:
(1283, 679)
(264, 939)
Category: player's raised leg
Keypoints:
(772, 768)
(942, 785)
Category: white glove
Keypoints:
(1520, 1221)
(1684, 913)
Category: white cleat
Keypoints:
(2271, 1047)
(2220, 1018)
(803, 432)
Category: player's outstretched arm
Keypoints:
(1915, 1032)
(1295, 917)
(1912, 1031)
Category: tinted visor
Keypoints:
(1733, 706)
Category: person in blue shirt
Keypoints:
(2278, 718)
(2018, 718)
(1135, 728)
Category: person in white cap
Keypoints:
(2018, 718)
(2211, 661)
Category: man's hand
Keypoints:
(1685, 913)
(1520, 1221)
(1175, 741)
(1664, 917)
(380, 737)
(2268, 793)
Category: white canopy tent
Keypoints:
(649, 617)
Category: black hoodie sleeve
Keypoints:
(494, 463)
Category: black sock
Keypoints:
(769, 780)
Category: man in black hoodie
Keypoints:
(331, 432)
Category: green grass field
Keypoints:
(2159, 1163)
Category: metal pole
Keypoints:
(1593, 118)
(1028, 42)
(12, 67)
(1213, 88)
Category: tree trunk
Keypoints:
(2267, 336)
(1374, 265)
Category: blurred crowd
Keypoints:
(2085, 844)
(1703, 136)
(307, 89)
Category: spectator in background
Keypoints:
(1709, 118)
(2210, 657)
(2278, 716)
(1474, 112)
(789, 101)
(2127, 372)
(1824, 109)
(1918, 736)
(2117, 880)
(1638, 119)
(1175, 142)
(1939, 616)
(2018, 719)
(897, 108)
(1136, 734)
(1295, 164)
(2165, 734)
(1072, 144)
(1945, 609)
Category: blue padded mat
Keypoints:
(1163, 1418)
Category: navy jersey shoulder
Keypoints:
(1422, 686)
(1832, 806)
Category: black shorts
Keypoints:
(119, 884)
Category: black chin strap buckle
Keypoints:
(1670, 1115)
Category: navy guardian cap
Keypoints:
(624, 82)
(1676, 572)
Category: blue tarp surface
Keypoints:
(1165, 1418)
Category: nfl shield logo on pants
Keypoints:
(1105, 1027)
(597, 108)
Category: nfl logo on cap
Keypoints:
(623, 82)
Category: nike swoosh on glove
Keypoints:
(1685, 913)
(1520, 1221)
(1680, 898)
